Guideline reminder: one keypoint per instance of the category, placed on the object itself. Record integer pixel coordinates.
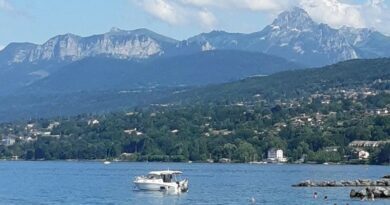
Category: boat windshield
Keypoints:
(153, 176)
(169, 178)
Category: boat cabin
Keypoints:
(166, 176)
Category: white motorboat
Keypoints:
(162, 181)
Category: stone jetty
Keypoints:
(371, 192)
(379, 188)
(384, 182)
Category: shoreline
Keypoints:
(192, 162)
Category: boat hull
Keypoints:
(170, 187)
(148, 186)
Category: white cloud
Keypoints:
(255, 5)
(264, 5)
(207, 19)
(179, 12)
(5, 5)
(377, 15)
(372, 13)
(163, 10)
(336, 13)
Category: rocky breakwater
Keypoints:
(345, 183)
(371, 193)
(379, 188)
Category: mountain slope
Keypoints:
(296, 84)
(350, 76)
(368, 43)
(136, 44)
(293, 35)
(190, 70)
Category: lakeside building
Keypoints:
(363, 143)
(224, 160)
(276, 155)
(363, 155)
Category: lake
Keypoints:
(50, 182)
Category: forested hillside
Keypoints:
(307, 113)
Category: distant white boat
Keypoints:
(256, 162)
(162, 181)
(106, 162)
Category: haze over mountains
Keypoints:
(122, 60)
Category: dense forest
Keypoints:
(304, 112)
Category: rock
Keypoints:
(306, 183)
(386, 193)
(349, 183)
(332, 183)
(377, 192)
(364, 182)
(387, 182)
(338, 184)
(358, 182)
(361, 193)
(353, 193)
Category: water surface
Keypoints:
(95, 183)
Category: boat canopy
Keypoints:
(166, 172)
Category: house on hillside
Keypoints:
(276, 155)
(363, 155)
(331, 149)
(8, 141)
(93, 122)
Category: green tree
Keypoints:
(246, 152)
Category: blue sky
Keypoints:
(38, 20)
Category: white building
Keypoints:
(93, 122)
(8, 141)
(276, 155)
(363, 155)
(53, 125)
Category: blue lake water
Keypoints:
(95, 183)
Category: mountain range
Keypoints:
(292, 35)
(124, 61)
